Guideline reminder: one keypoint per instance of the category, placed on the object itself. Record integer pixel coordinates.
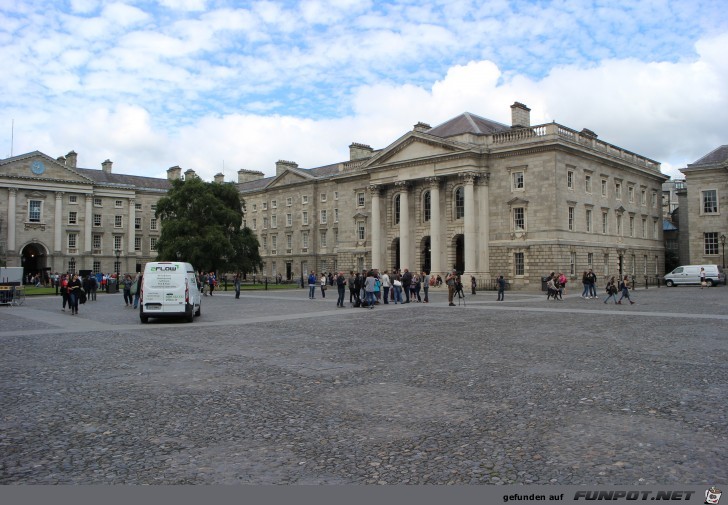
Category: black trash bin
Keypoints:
(113, 286)
(544, 280)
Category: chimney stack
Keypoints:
(248, 175)
(283, 165)
(105, 166)
(174, 173)
(219, 178)
(520, 116)
(71, 158)
(359, 151)
(422, 127)
(190, 174)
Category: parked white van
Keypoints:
(690, 274)
(169, 289)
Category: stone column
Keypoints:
(404, 226)
(376, 228)
(132, 232)
(435, 242)
(483, 225)
(58, 223)
(12, 205)
(469, 223)
(87, 224)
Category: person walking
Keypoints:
(426, 285)
(311, 285)
(323, 282)
(625, 291)
(138, 289)
(703, 282)
(386, 285)
(212, 281)
(450, 280)
(585, 283)
(126, 283)
(64, 291)
(74, 294)
(611, 290)
(501, 288)
(341, 286)
(592, 281)
(369, 285)
(236, 283)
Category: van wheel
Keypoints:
(190, 316)
(711, 283)
(144, 319)
(199, 309)
(669, 284)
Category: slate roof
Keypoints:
(467, 123)
(714, 157)
(668, 226)
(105, 178)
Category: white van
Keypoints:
(169, 289)
(690, 274)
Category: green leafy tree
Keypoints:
(201, 224)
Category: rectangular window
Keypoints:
(72, 218)
(97, 202)
(361, 231)
(137, 223)
(604, 188)
(360, 199)
(618, 190)
(117, 242)
(644, 265)
(605, 223)
(572, 263)
(590, 260)
(570, 179)
(265, 223)
(265, 206)
(518, 262)
(137, 243)
(73, 199)
(96, 241)
(289, 201)
(571, 218)
(153, 224)
(588, 220)
(305, 217)
(518, 180)
(34, 210)
(519, 219)
(619, 225)
(118, 221)
(137, 206)
(630, 192)
(710, 201)
(274, 221)
(255, 223)
(657, 264)
(289, 219)
(336, 215)
(336, 237)
(644, 228)
(631, 226)
(72, 240)
(654, 199)
(274, 204)
(588, 183)
(710, 240)
(118, 204)
(323, 197)
(643, 197)
(152, 244)
(274, 244)
(323, 217)
(97, 219)
(97, 267)
(322, 233)
(634, 265)
(265, 242)
(336, 195)
(304, 199)
(154, 207)
(304, 240)
(655, 229)
(606, 264)
(289, 243)
(255, 207)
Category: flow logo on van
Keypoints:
(163, 269)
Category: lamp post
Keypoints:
(117, 252)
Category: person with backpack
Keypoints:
(625, 291)
(311, 285)
(611, 290)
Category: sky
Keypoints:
(222, 85)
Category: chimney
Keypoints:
(105, 166)
(248, 175)
(61, 160)
(520, 115)
(190, 174)
(283, 165)
(422, 127)
(359, 151)
(219, 178)
(174, 173)
(71, 158)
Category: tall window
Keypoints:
(97, 202)
(289, 242)
(72, 266)
(152, 244)
(654, 229)
(153, 224)
(590, 260)
(97, 219)
(96, 241)
(336, 215)
(631, 226)
(619, 225)
(361, 230)
(605, 223)
(34, 210)
(118, 221)
(72, 240)
(710, 201)
(459, 203)
(97, 267)
(117, 242)
(588, 184)
(137, 223)
(274, 221)
(606, 264)
(305, 217)
(644, 264)
(323, 217)
(289, 219)
(604, 188)
(710, 240)
(571, 218)
(630, 191)
(618, 190)
(570, 179)
(427, 206)
(73, 218)
(360, 199)
(643, 197)
(274, 244)
(644, 227)
(519, 219)
(518, 180)
(397, 202)
(518, 262)
(572, 263)
(304, 241)
(588, 220)
(323, 238)
(137, 243)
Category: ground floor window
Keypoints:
(97, 267)
(518, 261)
(711, 243)
(572, 263)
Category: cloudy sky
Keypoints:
(219, 85)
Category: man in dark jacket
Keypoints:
(406, 282)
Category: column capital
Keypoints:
(14, 191)
(374, 189)
(484, 178)
(402, 185)
(89, 198)
(433, 181)
(468, 177)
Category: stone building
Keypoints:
(472, 194)
(703, 201)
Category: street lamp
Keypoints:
(722, 241)
(117, 252)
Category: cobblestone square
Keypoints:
(275, 388)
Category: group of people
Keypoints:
(132, 289)
(208, 282)
(556, 287)
(75, 291)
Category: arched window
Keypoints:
(396, 209)
(459, 203)
(426, 206)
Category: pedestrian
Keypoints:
(592, 278)
(426, 278)
(341, 286)
(386, 285)
(212, 281)
(127, 282)
(562, 285)
(585, 283)
(377, 286)
(611, 290)
(551, 288)
(473, 283)
(703, 282)
(406, 283)
(352, 287)
(450, 280)
(74, 294)
(369, 284)
(94, 285)
(625, 291)
(417, 281)
(204, 283)
(397, 284)
(323, 285)
(311, 285)
(64, 291)
(138, 291)
(236, 283)
(501, 288)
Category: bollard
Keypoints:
(646, 286)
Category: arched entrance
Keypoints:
(395, 254)
(33, 258)
(459, 245)
(425, 254)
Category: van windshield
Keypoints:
(678, 270)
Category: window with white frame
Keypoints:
(336, 215)
(96, 241)
(571, 218)
(289, 201)
(360, 199)
(519, 264)
(518, 180)
(322, 235)
(73, 217)
(137, 223)
(137, 206)
(304, 217)
(426, 206)
(323, 197)
(255, 207)
(618, 190)
(397, 208)
(605, 223)
(289, 243)
(264, 206)
(72, 266)
(336, 237)
(570, 179)
(304, 199)
(604, 188)
(274, 204)
(322, 216)
(619, 225)
(117, 242)
(590, 260)
(644, 227)
(255, 223)
(274, 221)
(118, 204)
(137, 243)
(265, 223)
(361, 230)
(630, 193)
(631, 226)
(588, 183)
(643, 197)
(98, 202)
(73, 199)
(459, 203)
(72, 240)
(710, 242)
(152, 244)
(274, 244)
(304, 240)
(710, 201)
(588, 220)
(289, 219)
(572, 263)
(35, 210)
(118, 221)
(519, 218)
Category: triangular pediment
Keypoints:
(41, 167)
(289, 177)
(416, 146)
(517, 202)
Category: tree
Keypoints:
(201, 224)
